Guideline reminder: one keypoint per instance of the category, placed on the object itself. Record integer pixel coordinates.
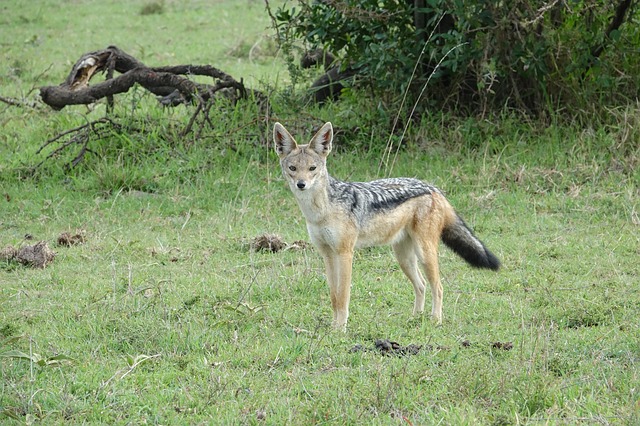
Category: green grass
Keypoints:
(235, 335)
(45, 37)
(168, 317)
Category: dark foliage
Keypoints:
(474, 56)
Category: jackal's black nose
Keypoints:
(301, 184)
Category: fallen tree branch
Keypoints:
(169, 83)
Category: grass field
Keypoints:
(165, 314)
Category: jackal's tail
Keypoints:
(459, 238)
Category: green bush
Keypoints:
(533, 56)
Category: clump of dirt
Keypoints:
(274, 243)
(268, 242)
(69, 239)
(388, 348)
(8, 253)
(505, 346)
(38, 255)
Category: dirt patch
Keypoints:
(268, 242)
(505, 346)
(389, 348)
(69, 239)
(38, 255)
(274, 243)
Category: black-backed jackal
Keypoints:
(406, 213)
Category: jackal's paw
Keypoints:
(436, 319)
(342, 327)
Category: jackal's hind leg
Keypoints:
(429, 260)
(406, 255)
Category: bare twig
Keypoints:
(19, 102)
(199, 108)
(540, 13)
(80, 135)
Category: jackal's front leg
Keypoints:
(338, 267)
(342, 290)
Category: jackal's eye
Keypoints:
(312, 168)
(292, 168)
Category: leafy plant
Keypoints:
(524, 54)
(37, 359)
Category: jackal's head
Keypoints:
(303, 165)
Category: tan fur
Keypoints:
(413, 228)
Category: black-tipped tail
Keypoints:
(459, 238)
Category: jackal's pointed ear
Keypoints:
(321, 142)
(284, 142)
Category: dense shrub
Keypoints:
(476, 55)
